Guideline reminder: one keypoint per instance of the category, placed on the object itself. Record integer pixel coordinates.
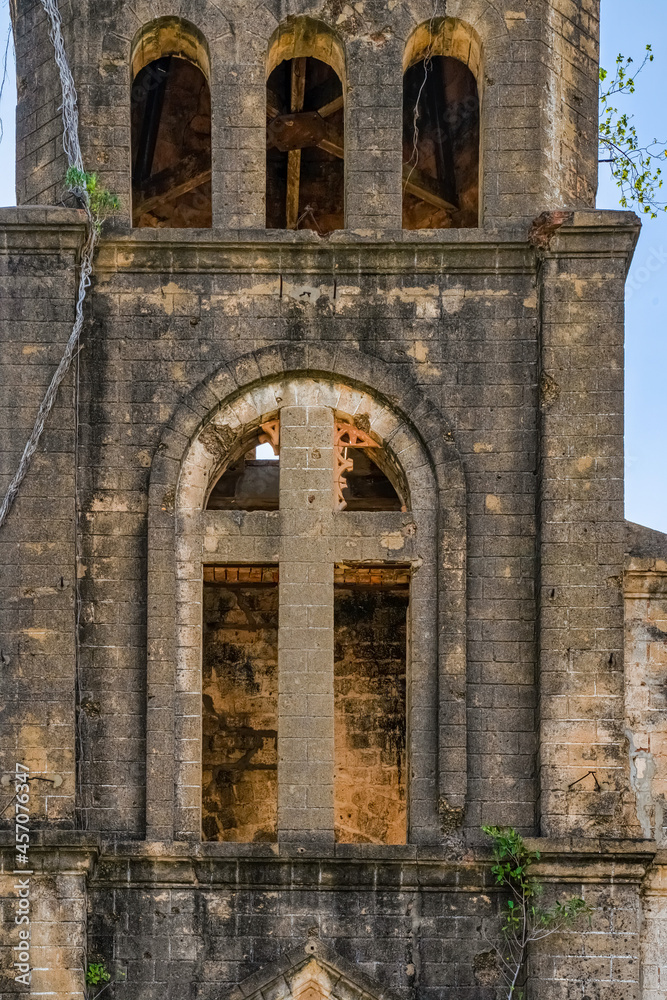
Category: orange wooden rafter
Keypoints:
(346, 436)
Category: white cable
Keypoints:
(428, 59)
(72, 149)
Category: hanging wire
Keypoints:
(72, 147)
(5, 63)
(428, 62)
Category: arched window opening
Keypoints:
(349, 616)
(370, 655)
(441, 130)
(361, 481)
(171, 129)
(252, 480)
(240, 704)
(366, 487)
(305, 135)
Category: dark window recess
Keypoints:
(171, 146)
(367, 487)
(305, 147)
(240, 707)
(440, 148)
(370, 780)
(250, 483)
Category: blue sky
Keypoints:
(646, 344)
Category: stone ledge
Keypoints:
(41, 228)
(347, 866)
(261, 252)
(37, 228)
(643, 583)
(596, 233)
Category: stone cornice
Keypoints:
(264, 866)
(34, 229)
(596, 234)
(455, 251)
(264, 252)
(641, 584)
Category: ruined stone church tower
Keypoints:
(322, 563)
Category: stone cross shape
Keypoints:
(308, 536)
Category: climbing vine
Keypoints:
(525, 921)
(97, 203)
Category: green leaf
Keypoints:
(632, 163)
(96, 974)
(87, 186)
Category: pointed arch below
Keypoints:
(310, 972)
(170, 749)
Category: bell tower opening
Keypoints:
(441, 128)
(171, 130)
(305, 132)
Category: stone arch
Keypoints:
(306, 36)
(442, 77)
(445, 36)
(347, 364)
(419, 426)
(171, 126)
(169, 36)
(236, 421)
(478, 33)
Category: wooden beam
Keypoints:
(298, 131)
(298, 91)
(414, 181)
(333, 144)
(169, 184)
(418, 184)
(332, 107)
(273, 108)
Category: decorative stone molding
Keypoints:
(311, 972)
(237, 397)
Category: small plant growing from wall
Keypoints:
(97, 975)
(102, 202)
(525, 921)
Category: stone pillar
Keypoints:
(38, 627)
(583, 754)
(374, 136)
(305, 645)
(55, 892)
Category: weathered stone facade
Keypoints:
(483, 370)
